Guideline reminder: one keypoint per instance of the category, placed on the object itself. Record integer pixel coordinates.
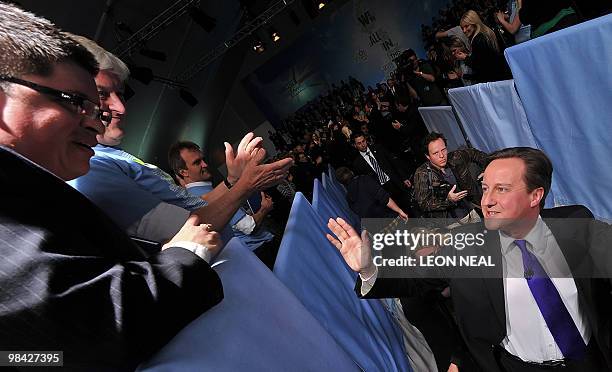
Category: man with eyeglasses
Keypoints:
(143, 199)
(70, 279)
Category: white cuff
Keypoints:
(198, 249)
(368, 283)
(246, 225)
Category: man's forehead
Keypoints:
(506, 171)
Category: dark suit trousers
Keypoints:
(593, 362)
(401, 195)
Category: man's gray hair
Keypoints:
(33, 45)
(106, 60)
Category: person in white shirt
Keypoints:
(544, 303)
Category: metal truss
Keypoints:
(221, 49)
(153, 27)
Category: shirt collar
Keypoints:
(537, 239)
(199, 183)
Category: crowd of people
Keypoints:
(107, 258)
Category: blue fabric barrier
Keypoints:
(565, 82)
(493, 118)
(259, 326)
(313, 269)
(341, 207)
(441, 119)
(492, 115)
(332, 176)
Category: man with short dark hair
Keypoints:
(544, 303)
(188, 165)
(378, 163)
(444, 185)
(70, 279)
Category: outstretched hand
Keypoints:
(355, 249)
(247, 149)
(257, 176)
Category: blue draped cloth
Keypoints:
(565, 82)
(316, 273)
(259, 326)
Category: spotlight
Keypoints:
(153, 54)
(274, 35)
(321, 5)
(205, 21)
(259, 46)
(188, 97)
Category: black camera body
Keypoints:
(440, 190)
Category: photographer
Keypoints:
(421, 76)
(445, 186)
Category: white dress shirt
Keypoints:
(365, 156)
(527, 335)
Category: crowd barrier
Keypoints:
(441, 119)
(315, 272)
(564, 80)
(259, 326)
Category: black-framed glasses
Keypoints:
(84, 106)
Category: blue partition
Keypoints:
(441, 119)
(312, 268)
(336, 199)
(332, 176)
(259, 326)
(565, 82)
(492, 115)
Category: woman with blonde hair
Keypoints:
(486, 58)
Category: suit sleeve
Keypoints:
(100, 311)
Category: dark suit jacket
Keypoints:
(71, 280)
(387, 163)
(479, 302)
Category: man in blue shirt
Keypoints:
(188, 165)
(140, 197)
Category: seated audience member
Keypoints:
(70, 279)
(187, 162)
(444, 186)
(140, 197)
(366, 197)
(486, 58)
(544, 304)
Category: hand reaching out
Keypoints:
(246, 151)
(355, 249)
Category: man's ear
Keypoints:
(427, 156)
(182, 173)
(536, 197)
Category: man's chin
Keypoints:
(493, 223)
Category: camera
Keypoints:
(441, 190)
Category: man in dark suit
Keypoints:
(545, 303)
(70, 279)
(377, 162)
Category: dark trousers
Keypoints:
(593, 362)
